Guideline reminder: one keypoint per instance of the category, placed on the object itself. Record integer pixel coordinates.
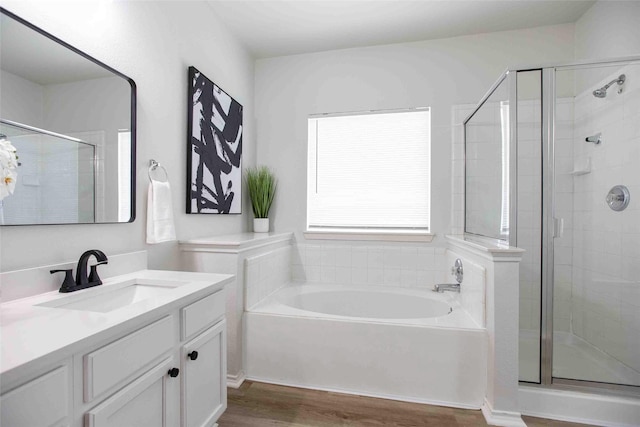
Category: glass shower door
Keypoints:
(596, 224)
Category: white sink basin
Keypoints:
(106, 298)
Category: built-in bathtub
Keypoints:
(398, 343)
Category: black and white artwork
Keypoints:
(214, 163)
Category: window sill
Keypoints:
(385, 236)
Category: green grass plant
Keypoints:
(261, 183)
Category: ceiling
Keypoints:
(271, 28)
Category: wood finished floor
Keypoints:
(259, 404)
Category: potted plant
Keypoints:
(262, 188)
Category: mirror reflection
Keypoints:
(71, 122)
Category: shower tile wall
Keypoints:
(564, 192)
(362, 264)
(606, 255)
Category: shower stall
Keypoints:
(552, 165)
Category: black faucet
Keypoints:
(83, 280)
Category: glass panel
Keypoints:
(56, 184)
(597, 256)
(486, 167)
(529, 224)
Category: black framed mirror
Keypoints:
(72, 122)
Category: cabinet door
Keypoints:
(43, 402)
(151, 401)
(204, 384)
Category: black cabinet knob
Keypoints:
(173, 372)
(193, 355)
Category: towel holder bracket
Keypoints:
(153, 165)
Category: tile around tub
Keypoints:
(359, 276)
(359, 257)
(375, 257)
(392, 277)
(375, 276)
(328, 274)
(343, 275)
(343, 256)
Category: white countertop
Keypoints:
(239, 241)
(31, 333)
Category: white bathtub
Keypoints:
(403, 344)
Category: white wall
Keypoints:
(153, 43)
(21, 99)
(609, 29)
(437, 73)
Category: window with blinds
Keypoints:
(369, 172)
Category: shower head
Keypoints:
(602, 92)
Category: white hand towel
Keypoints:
(160, 226)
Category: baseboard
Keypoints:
(501, 418)
(359, 393)
(235, 381)
(578, 407)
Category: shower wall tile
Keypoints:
(606, 254)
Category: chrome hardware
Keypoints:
(457, 270)
(153, 165)
(558, 227)
(618, 198)
(451, 287)
(602, 92)
(596, 139)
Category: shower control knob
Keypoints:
(193, 355)
(174, 372)
(618, 198)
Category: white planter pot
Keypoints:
(261, 225)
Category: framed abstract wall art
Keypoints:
(214, 148)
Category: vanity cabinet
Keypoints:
(168, 370)
(43, 401)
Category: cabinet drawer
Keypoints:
(118, 361)
(202, 314)
(41, 402)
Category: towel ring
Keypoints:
(153, 165)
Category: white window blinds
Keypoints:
(369, 171)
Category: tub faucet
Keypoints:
(451, 287)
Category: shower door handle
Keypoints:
(558, 228)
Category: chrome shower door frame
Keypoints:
(549, 229)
